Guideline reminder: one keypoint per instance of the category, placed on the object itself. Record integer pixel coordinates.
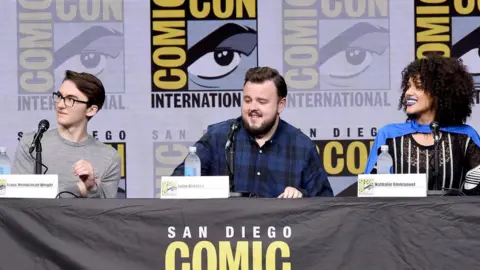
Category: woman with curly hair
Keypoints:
(437, 89)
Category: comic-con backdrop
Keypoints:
(172, 67)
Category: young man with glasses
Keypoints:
(85, 166)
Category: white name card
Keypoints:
(41, 186)
(392, 185)
(194, 187)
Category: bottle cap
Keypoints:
(192, 149)
(3, 149)
(384, 147)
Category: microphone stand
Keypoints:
(38, 155)
(436, 162)
(231, 161)
(437, 190)
(231, 167)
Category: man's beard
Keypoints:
(263, 129)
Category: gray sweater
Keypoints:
(59, 155)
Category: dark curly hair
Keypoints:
(447, 81)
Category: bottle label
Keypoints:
(190, 172)
(4, 170)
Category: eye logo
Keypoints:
(84, 36)
(3, 186)
(466, 44)
(97, 50)
(338, 55)
(209, 48)
(169, 188)
(220, 54)
(366, 186)
(354, 58)
(451, 28)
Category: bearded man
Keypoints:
(272, 158)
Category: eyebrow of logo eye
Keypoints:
(215, 39)
(82, 41)
(244, 43)
(467, 43)
(342, 41)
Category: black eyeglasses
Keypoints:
(68, 101)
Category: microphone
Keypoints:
(43, 126)
(234, 128)
(435, 127)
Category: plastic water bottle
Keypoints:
(192, 163)
(384, 161)
(5, 163)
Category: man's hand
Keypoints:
(84, 171)
(290, 193)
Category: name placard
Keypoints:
(392, 185)
(194, 187)
(38, 186)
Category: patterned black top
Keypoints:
(459, 161)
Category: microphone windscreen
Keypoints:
(44, 124)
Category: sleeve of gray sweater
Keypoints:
(59, 155)
(108, 181)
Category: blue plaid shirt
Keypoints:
(290, 158)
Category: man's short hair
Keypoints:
(262, 74)
(89, 85)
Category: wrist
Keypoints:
(94, 187)
(82, 189)
(95, 182)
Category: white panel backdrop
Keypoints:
(355, 48)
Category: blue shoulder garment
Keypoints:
(396, 130)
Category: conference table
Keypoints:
(310, 233)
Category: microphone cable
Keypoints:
(67, 192)
(43, 165)
(453, 192)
